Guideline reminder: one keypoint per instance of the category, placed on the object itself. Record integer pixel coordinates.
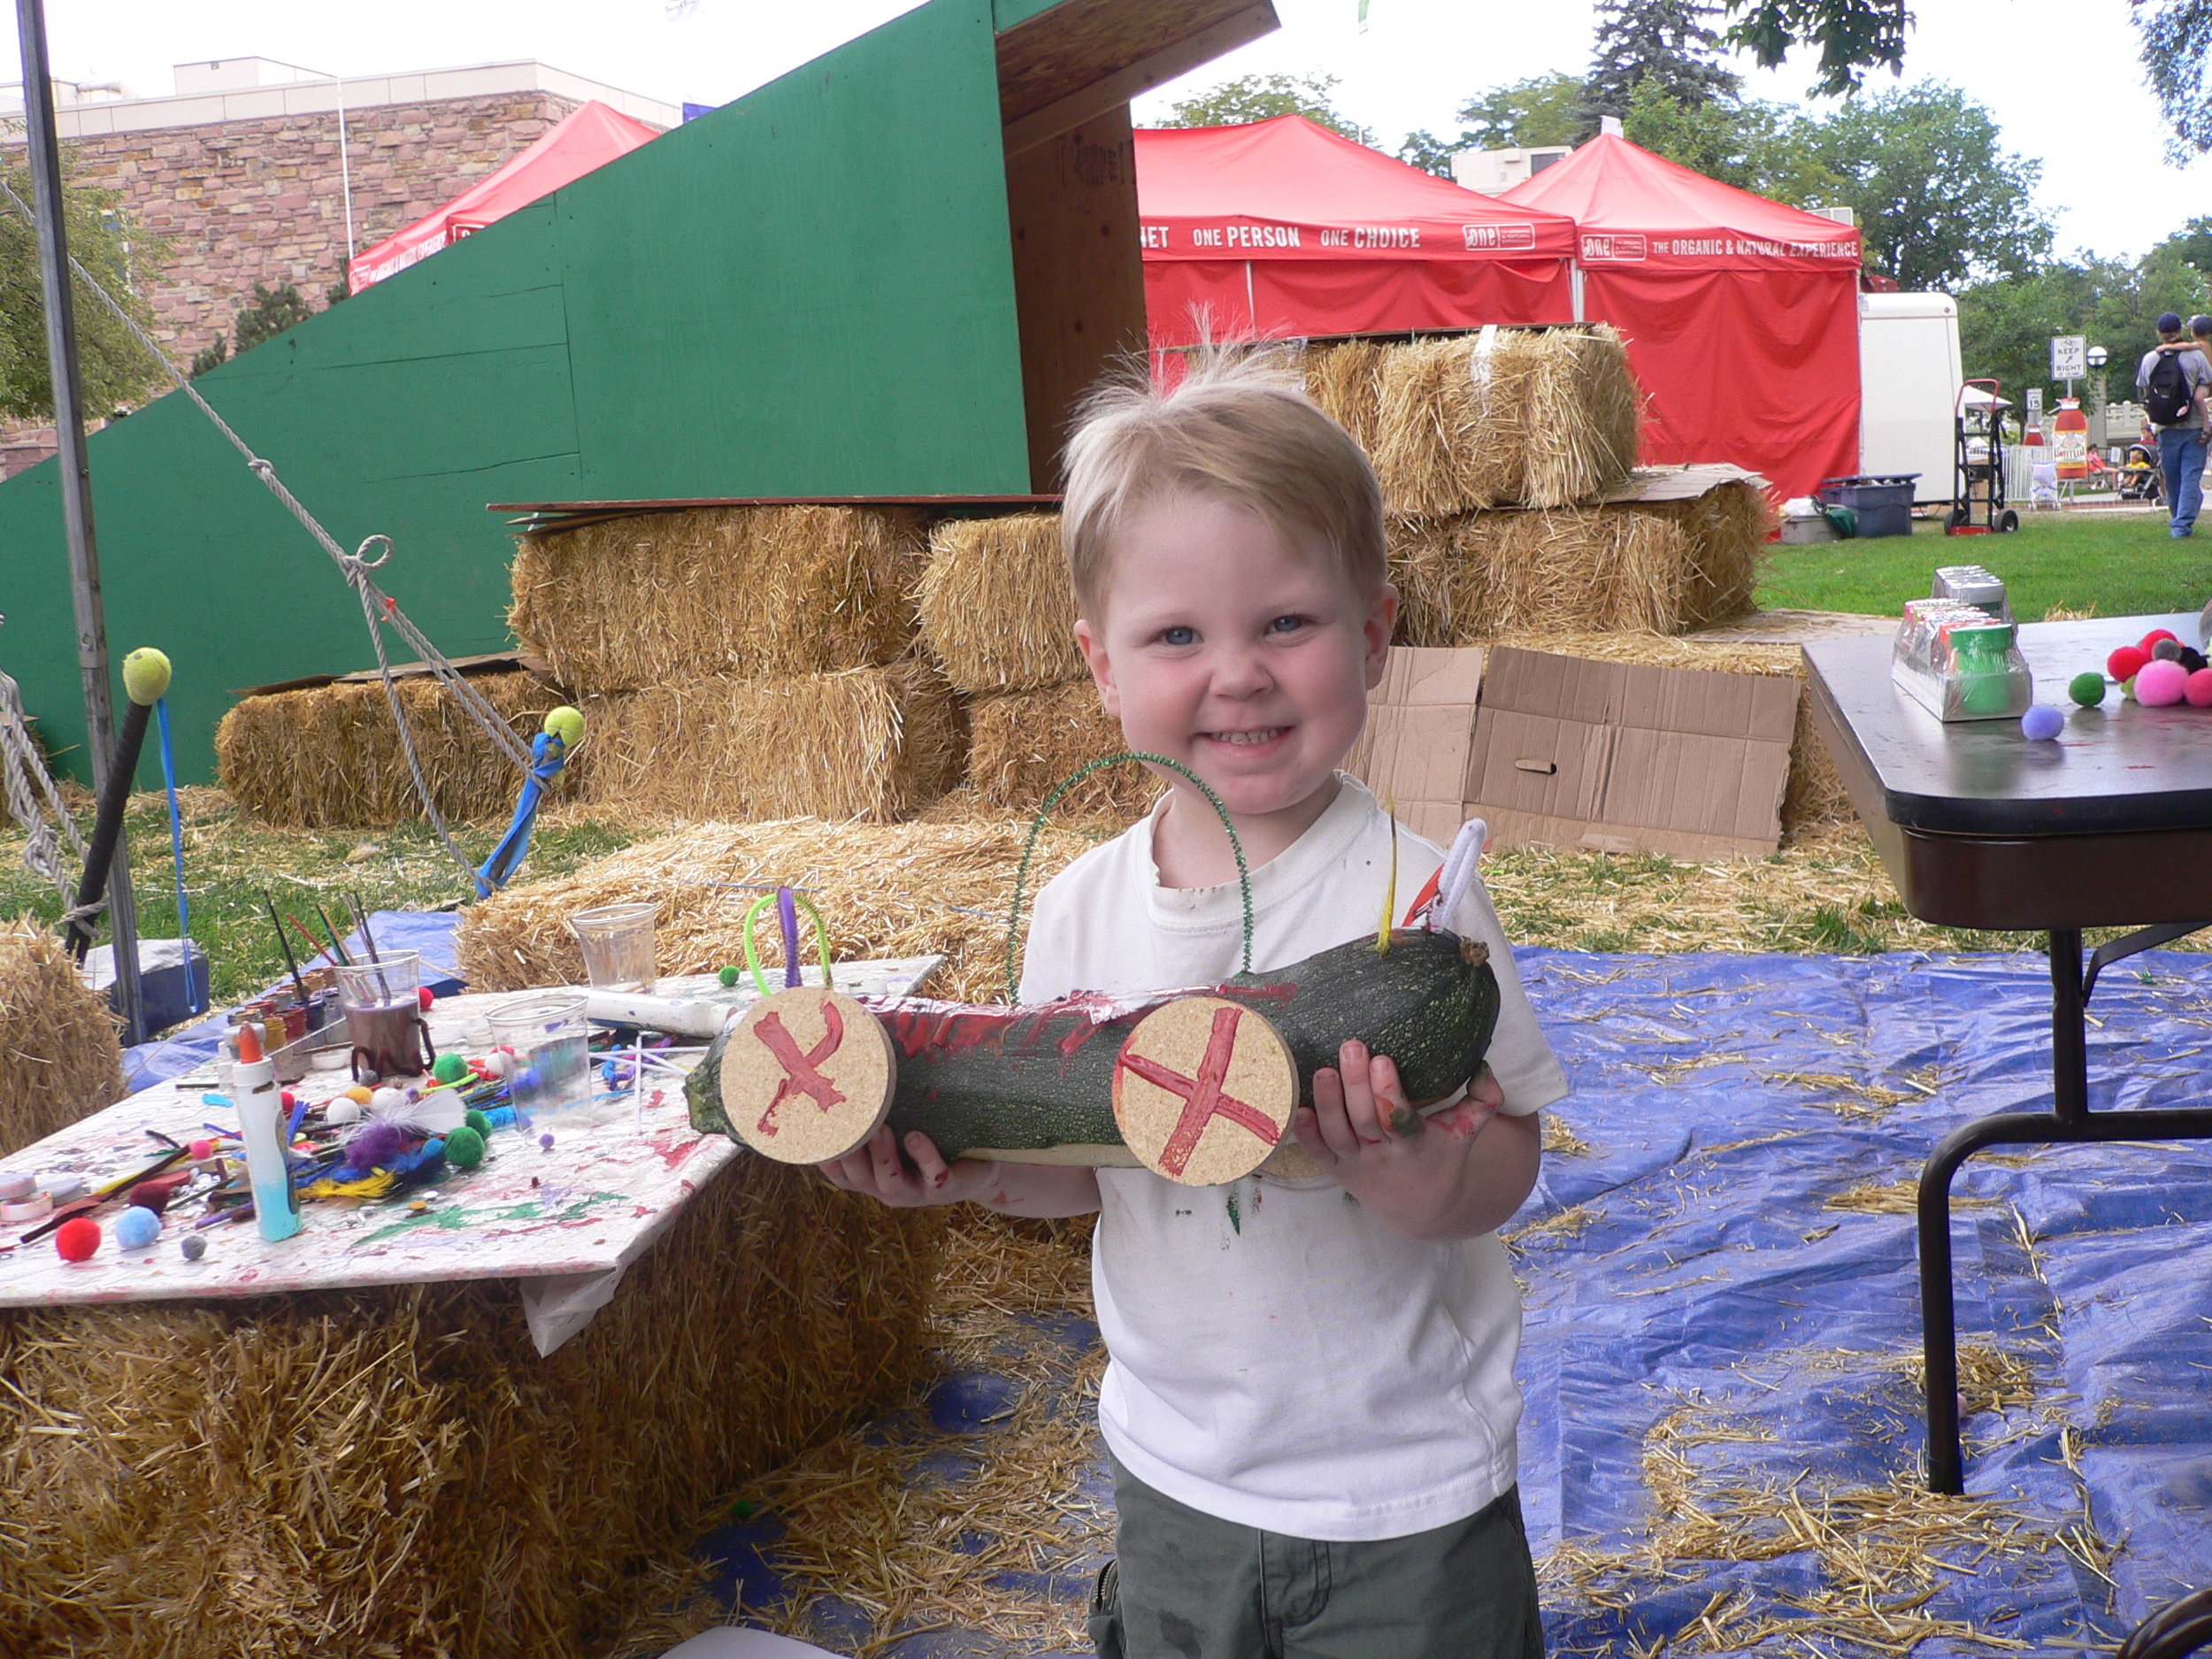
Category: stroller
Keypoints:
(2138, 477)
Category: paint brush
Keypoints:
(323, 915)
(285, 945)
(321, 950)
(368, 940)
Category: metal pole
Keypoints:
(76, 476)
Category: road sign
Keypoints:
(2035, 400)
(2070, 356)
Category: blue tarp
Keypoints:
(1691, 1263)
(431, 932)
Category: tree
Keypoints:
(1262, 97)
(1754, 145)
(113, 370)
(1543, 110)
(1853, 36)
(2174, 38)
(1940, 202)
(272, 312)
(1668, 41)
(2006, 323)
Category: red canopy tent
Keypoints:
(1283, 228)
(589, 138)
(1742, 315)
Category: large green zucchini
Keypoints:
(1036, 1084)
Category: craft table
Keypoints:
(563, 1221)
(2109, 826)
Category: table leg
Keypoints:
(2069, 1120)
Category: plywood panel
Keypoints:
(1078, 274)
(1055, 53)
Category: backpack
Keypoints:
(2168, 397)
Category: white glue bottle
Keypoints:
(276, 1207)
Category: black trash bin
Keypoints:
(1883, 501)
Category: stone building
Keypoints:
(243, 177)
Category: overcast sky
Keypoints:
(2060, 75)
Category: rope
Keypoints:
(1036, 828)
(32, 798)
(377, 607)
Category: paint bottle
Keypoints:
(261, 1127)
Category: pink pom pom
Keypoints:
(201, 1151)
(2160, 684)
(2198, 689)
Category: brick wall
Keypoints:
(251, 201)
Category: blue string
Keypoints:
(192, 1003)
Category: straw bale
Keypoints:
(996, 605)
(60, 1058)
(1544, 418)
(635, 602)
(329, 758)
(868, 742)
(1025, 743)
(1342, 378)
(398, 1471)
(901, 890)
(1585, 569)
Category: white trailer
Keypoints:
(1909, 387)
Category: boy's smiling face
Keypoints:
(1244, 654)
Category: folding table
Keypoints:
(1979, 826)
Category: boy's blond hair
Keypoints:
(1239, 428)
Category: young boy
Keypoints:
(1310, 1406)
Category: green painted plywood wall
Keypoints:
(809, 292)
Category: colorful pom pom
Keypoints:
(464, 1148)
(195, 1247)
(388, 1100)
(2159, 684)
(201, 1151)
(2156, 635)
(2087, 688)
(451, 1067)
(2042, 722)
(344, 1110)
(728, 975)
(77, 1239)
(2125, 664)
(2197, 689)
(375, 1146)
(136, 1228)
(476, 1120)
(422, 998)
(2166, 650)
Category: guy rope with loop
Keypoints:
(379, 609)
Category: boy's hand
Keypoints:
(1420, 1177)
(875, 1168)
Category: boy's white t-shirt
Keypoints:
(1278, 1358)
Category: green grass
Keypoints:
(2105, 564)
(229, 863)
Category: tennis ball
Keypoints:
(567, 724)
(464, 1148)
(145, 676)
(2086, 688)
(2160, 684)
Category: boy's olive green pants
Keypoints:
(1186, 1585)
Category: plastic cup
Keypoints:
(550, 1040)
(617, 942)
(384, 1018)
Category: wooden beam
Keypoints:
(1093, 55)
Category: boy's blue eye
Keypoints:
(1286, 625)
(1179, 636)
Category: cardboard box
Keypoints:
(1420, 730)
(1620, 758)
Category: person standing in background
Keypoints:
(2174, 379)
